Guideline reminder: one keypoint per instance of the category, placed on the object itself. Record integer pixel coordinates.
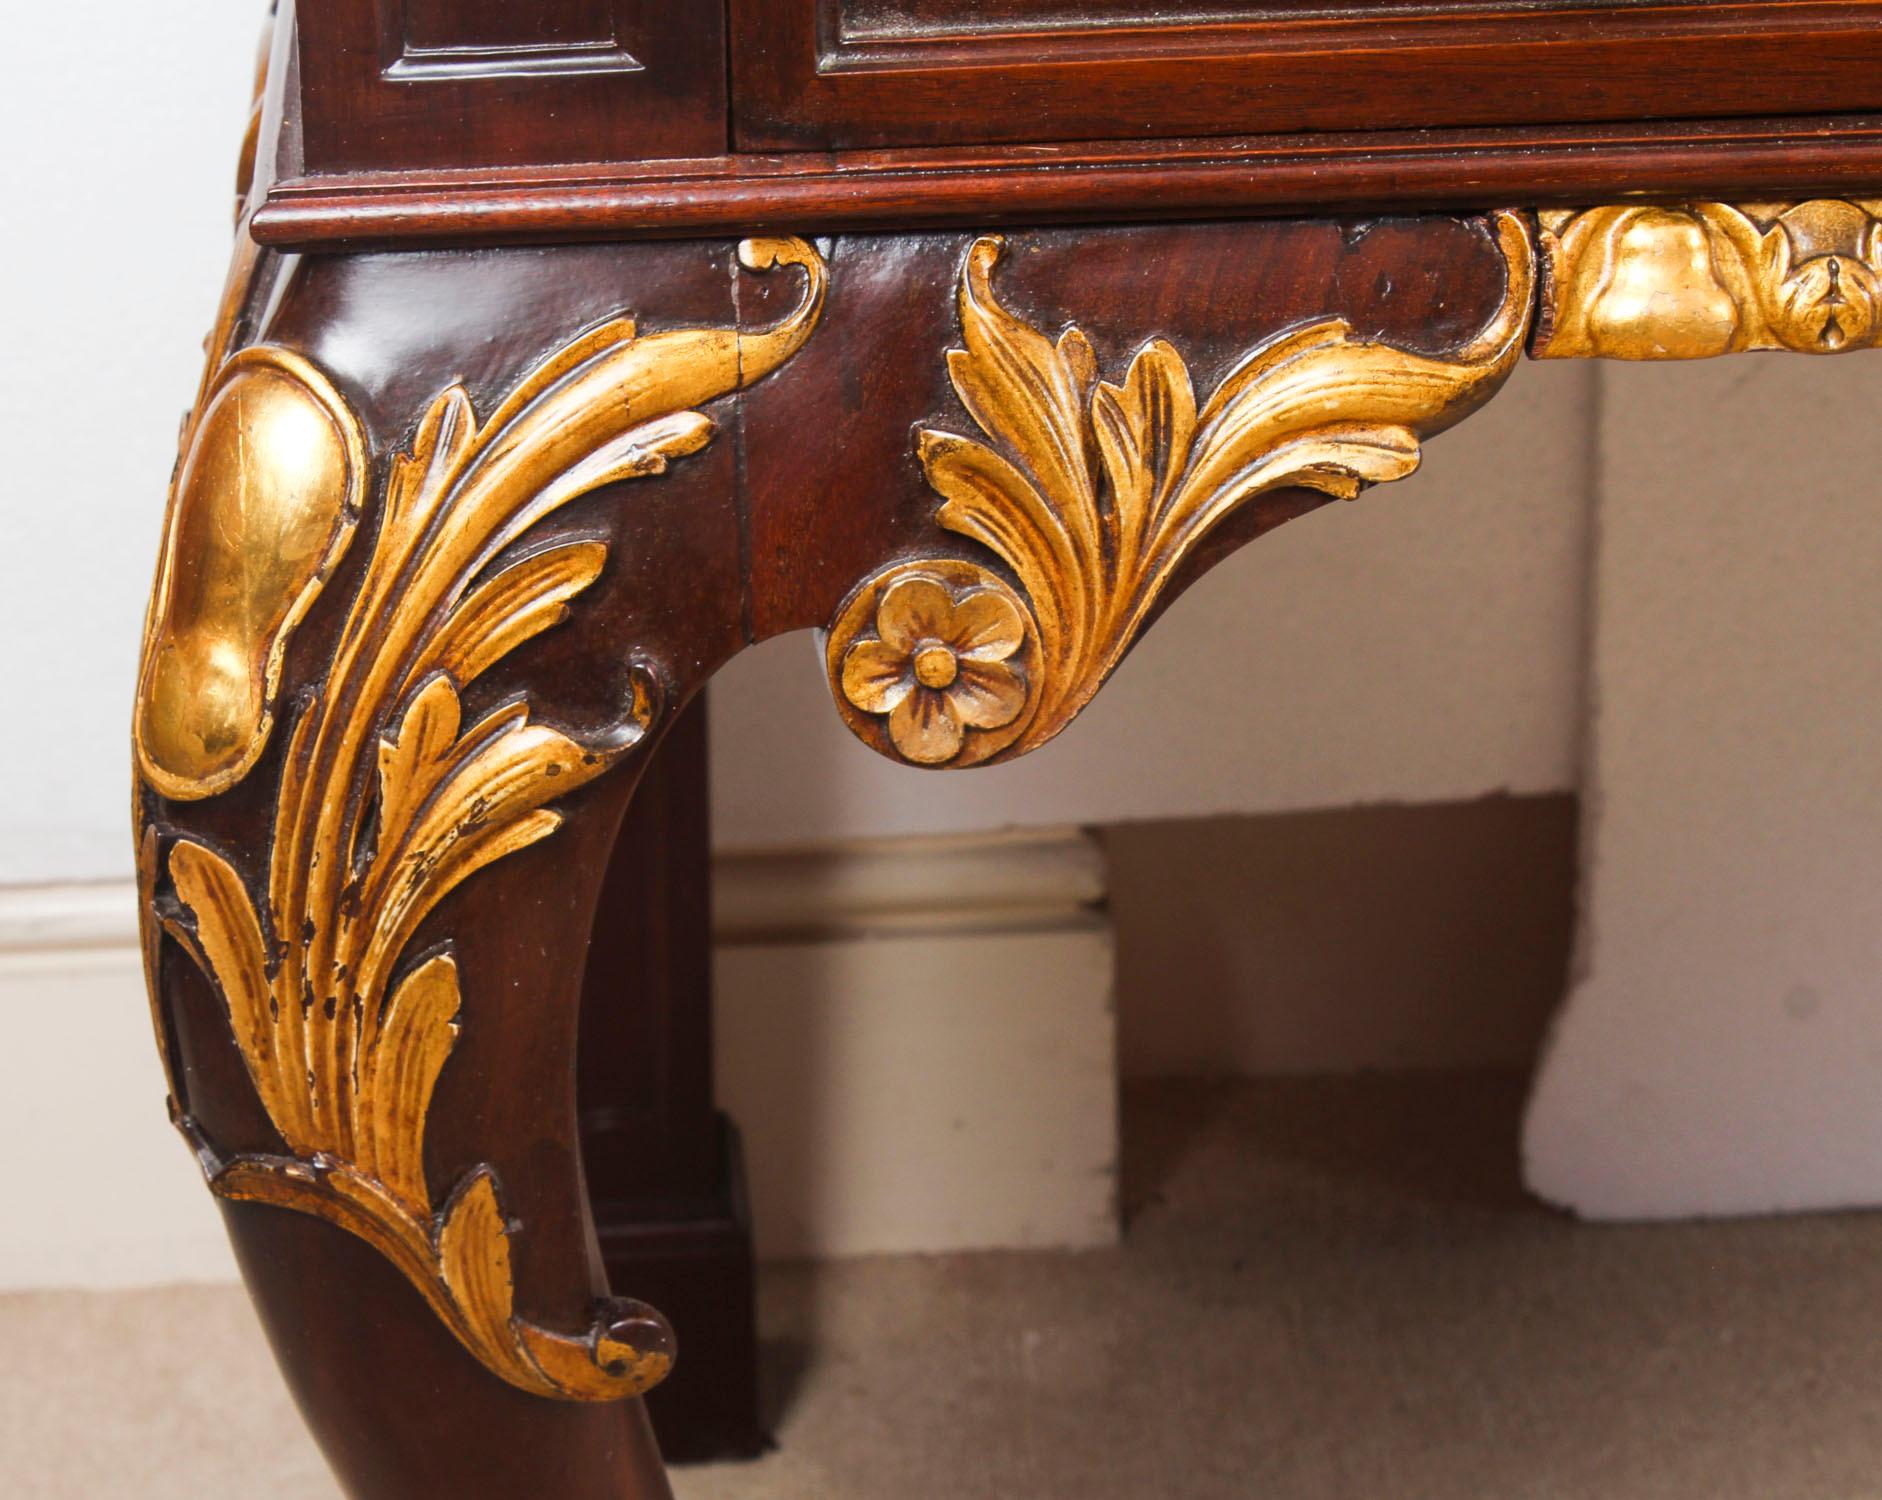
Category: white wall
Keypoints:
(1423, 644)
(101, 1192)
(122, 123)
(1722, 1051)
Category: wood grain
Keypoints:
(1090, 182)
(802, 81)
(381, 84)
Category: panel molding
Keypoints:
(801, 82)
(1077, 182)
(362, 95)
(1010, 878)
(418, 60)
(417, 64)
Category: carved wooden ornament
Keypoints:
(1702, 279)
(387, 799)
(266, 498)
(1096, 494)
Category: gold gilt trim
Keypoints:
(388, 800)
(1702, 279)
(1092, 496)
(264, 503)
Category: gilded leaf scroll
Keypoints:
(389, 799)
(1092, 495)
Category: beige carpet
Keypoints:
(1330, 1291)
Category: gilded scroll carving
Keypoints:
(1092, 495)
(388, 799)
(1702, 279)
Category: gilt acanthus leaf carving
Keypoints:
(1091, 495)
(389, 799)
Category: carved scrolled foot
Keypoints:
(408, 646)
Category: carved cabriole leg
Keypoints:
(449, 548)
(428, 593)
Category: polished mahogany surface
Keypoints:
(433, 83)
(584, 1087)
(859, 73)
(805, 485)
(455, 121)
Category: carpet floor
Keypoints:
(1329, 1290)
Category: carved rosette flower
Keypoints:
(936, 663)
(939, 665)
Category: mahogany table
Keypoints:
(570, 347)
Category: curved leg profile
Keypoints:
(452, 540)
(403, 657)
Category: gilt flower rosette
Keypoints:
(939, 650)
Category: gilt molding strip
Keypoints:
(1691, 281)
(387, 799)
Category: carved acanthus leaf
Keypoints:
(389, 800)
(1093, 495)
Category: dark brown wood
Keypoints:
(580, 1074)
(412, 83)
(833, 487)
(813, 192)
(807, 74)
(697, 1267)
(664, 1173)
(645, 1086)
(1747, 105)
(395, 1405)
(399, 1406)
(809, 486)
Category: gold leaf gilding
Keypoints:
(262, 507)
(1695, 280)
(388, 800)
(1092, 495)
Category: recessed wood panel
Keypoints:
(883, 73)
(401, 84)
(859, 19)
(434, 25)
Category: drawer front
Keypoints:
(883, 73)
(391, 84)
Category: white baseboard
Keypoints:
(101, 1192)
(975, 882)
(918, 1039)
(925, 1092)
(916, 1036)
